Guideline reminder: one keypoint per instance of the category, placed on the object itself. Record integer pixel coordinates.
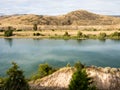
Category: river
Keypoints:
(29, 53)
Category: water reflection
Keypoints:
(102, 40)
(9, 41)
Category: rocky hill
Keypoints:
(79, 17)
(104, 78)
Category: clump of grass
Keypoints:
(38, 34)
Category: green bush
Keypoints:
(79, 34)
(66, 34)
(16, 79)
(68, 65)
(102, 36)
(115, 35)
(91, 36)
(79, 65)
(8, 33)
(38, 34)
(1, 83)
(43, 70)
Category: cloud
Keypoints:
(53, 7)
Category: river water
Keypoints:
(29, 53)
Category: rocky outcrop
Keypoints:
(104, 78)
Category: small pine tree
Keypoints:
(81, 81)
(16, 79)
(45, 69)
(79, 65)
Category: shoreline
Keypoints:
(58, 34)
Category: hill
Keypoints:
(79, 17)
(104, 78)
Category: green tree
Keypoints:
(35, 27)
(16, 79)
(81, 81)
(1, 83)
(79, 65)
(8, 32)
(43, 70)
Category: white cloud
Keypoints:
(53, 7)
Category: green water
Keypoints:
(29, 53)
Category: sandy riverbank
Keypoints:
(48, 33)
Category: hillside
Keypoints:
(104, 78)
(79, 17)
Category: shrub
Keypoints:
(43, 70)
(66, 34)
(115, 35)
(38, 34)
(35, 27)
(1, 83)
(34, 34)
(102, 36)
(8, 33)
(78, 65)
(1, 30)
(16, 79)
(19, 30)
(68, 65)
(79, 34)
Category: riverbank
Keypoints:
(58, 34)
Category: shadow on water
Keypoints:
(102, 40)
(9, 41)
(79, 40)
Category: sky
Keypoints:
(58, 7)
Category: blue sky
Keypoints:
(57, 7)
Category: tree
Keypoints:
(16, 79)
(79, 65)
(81, 81)
(8, 32)
(43, 70)
(35, 27)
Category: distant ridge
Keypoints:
(79, 17)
